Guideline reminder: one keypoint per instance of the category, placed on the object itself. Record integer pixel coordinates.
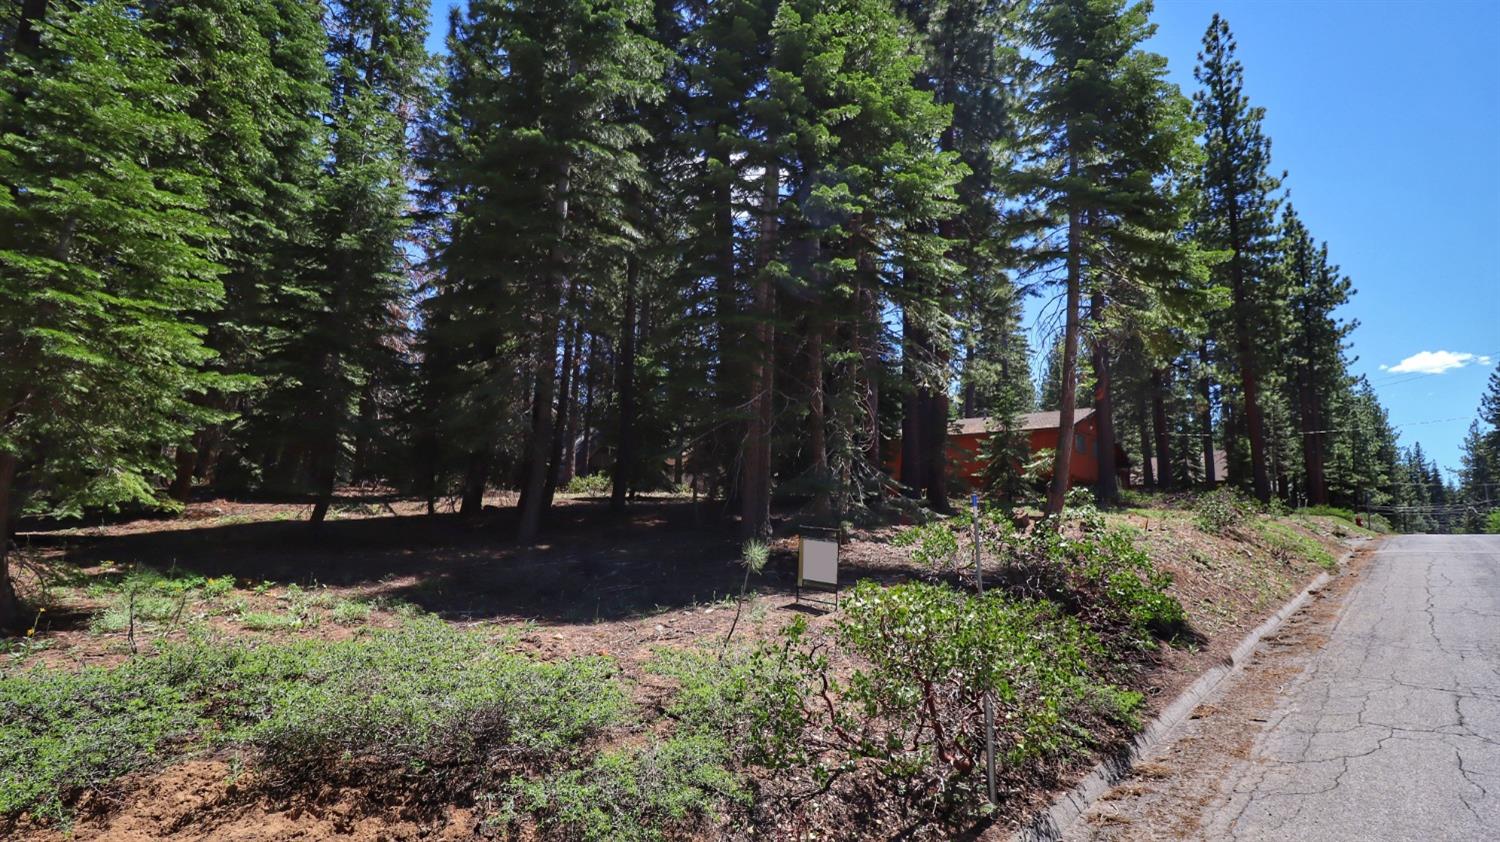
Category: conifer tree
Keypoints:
(541, 148)
(104, 258)
(1238, 216)
(1108, 130)
(1315, 340)
(971, 61)
(338, 321)
(258, 85)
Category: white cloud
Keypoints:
(1435, 362)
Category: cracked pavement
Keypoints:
(1392, 732)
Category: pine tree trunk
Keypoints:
(1148, 471)
(11, 615)
(1255, 425)
(755, 488)
(325, 476)
(1062, 464)
(935, 425)
(866, 342)
(325, 463)
(476, 480)
(533, 490)
(625, 453)
(564, 410)
(726, 380)
(1108, 487)
(1206, 418)
(1163, 435)
(185, 461)
(575, 409)
(363, 440)
(913, 471)
(27, 35)
(970, 407)
(936, 422)
(822, 506)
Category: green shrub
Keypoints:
(591, 485)
(1287, 544)
(1220, 510)
(350, 612)
(1118, 589)
(63, 732)
(1327, 511)
(932, 544)
(751, 699)
(437, 707)
(929, 654)
(272, 621)
(1492, 522)
(425, 708)
(147, 608)
(218, 586)
(667, 790)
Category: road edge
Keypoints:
(1050, 824)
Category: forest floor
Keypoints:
(601, 584)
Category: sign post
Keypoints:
(989, 702)
(818, 562)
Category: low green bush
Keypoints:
(147, 608)
(591, 485)
(1327, 511)
(350, 612)
(1287, 544)
(64, 732)
(669, 789)
(435, 706)
(1117, 589)
(1220, 510)
(1492, 522)
(751, 699)
(424, 708)
(931, 652)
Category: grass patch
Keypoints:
(1327, 511)
(1286, 543)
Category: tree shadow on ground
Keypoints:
(589, 564)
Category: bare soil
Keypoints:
(600, 583)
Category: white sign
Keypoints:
(818, 562)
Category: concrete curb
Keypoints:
(1050, 825)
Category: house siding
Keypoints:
(966, 454)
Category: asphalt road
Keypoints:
(1393, 730)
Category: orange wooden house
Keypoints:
(967, 436)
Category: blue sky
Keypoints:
(1387, 116)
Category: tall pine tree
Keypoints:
(1109, 133)
(1238, 216)
(104, 259)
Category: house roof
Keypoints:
(1027, 422)
(1221, 465)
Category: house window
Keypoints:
(1079, 444)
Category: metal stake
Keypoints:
(989, 702)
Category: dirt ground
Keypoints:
(599, 583)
